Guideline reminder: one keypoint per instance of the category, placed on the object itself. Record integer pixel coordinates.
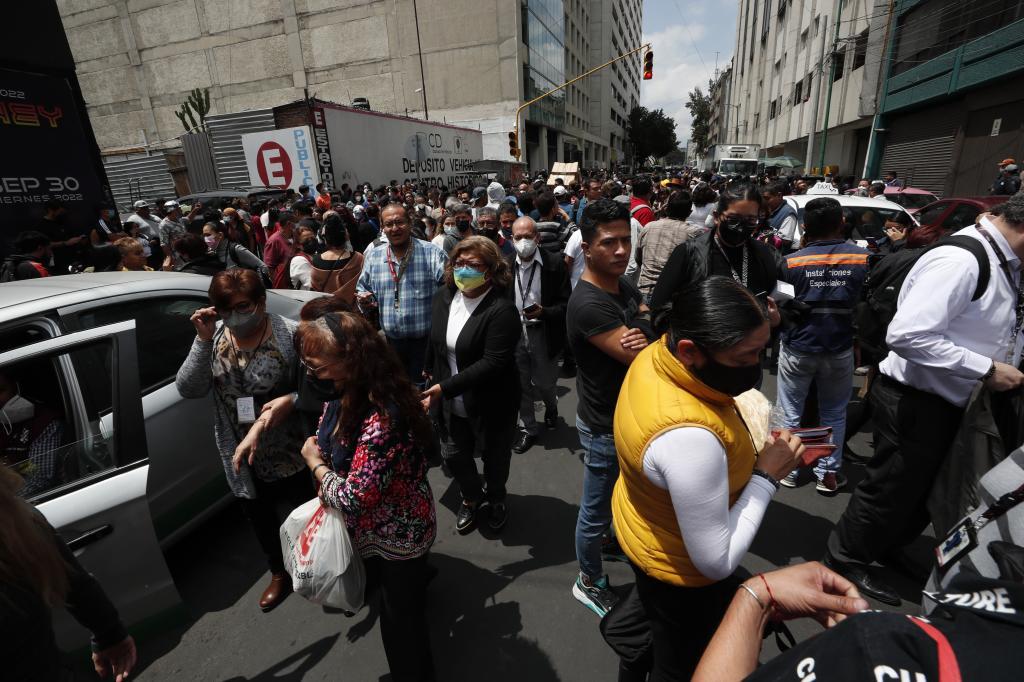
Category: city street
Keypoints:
(500, 607)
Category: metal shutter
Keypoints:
(225, 132)
(919, 146)
(145, 177)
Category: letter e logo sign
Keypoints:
(273, 164)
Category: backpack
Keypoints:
(881, 291)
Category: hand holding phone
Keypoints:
(532, 311)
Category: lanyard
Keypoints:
(1001, 506)
(745, 266)
(397, 277)
(1015, 286)
(523, 291)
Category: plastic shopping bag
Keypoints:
(319, 556)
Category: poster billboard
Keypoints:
(370, 147)
(284, 158)
(46, 154)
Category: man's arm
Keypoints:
(610, 343)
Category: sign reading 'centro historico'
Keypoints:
(283, 158)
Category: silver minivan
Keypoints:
(136, 466)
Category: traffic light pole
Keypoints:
(515, 130)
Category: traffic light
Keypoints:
(648, 65)
(513, 144)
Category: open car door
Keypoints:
(86, 466)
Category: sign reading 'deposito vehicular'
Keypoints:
(284, 158)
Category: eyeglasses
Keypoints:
(392, 224)
(740, 221)
(475, 264)
(243, 308)
(315, 371)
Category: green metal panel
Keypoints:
(981, 61)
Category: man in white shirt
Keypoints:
(540, 292)
(942, 343)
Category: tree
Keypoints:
(650, 133)
(701, 110)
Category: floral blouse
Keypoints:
(387, 501)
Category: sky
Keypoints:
(685, 34)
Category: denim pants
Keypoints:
(600, 470)
(833, 374)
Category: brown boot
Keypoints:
(280, 587)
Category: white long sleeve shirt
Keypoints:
(942, 342)
(690, 463)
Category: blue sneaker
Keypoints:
(790, 481)
(596, 596)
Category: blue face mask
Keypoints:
(467, 279)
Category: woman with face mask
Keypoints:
(685, 522)
(231, 254)
(246, 357)
(475, 327)
(729, 250)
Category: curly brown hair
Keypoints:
(374, 376)
(482, 247)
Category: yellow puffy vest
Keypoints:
(659, 394)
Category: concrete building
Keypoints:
(719, 129)
(951, 105)
(787, 54)
(139, 59)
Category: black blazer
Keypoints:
(488, 379)
(555, 290)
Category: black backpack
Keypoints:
(881, 292)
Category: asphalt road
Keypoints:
(500, 608)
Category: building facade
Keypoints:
(796, 64)
(952, 102)
(139, 59)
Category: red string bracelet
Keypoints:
(771, 597)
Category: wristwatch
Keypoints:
(990, 372)
(765, 475)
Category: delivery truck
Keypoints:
(733, 159)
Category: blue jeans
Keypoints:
(833, 374)
(601, 469)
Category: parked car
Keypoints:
(865, 218)
(910, 198)
(221, 198)
(137, 466)
(958, 212)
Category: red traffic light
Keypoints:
(649, 65)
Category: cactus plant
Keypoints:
(198, 101)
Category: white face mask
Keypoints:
(17, 410)
(526, 248)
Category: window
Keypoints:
(52, 442)
(962, 216)
(163, 334)
(860, 50)
(931, 215)
(798, 92)
(757, 119)
(839, 57)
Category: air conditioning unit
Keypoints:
(361, 103)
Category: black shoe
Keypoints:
(524, 443)
(869, 585)
(497, 515)
(551, 420)
(466, 519)
(568, 369)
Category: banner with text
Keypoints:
(283, 158)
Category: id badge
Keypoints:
(246, 407)
(958, 543)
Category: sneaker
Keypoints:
(790, 480)
(466, 519)
(861, 371)
(830, 483)
(612, 551)
(596, 596)
(497, 516)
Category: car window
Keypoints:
(48, 436)
(962, 216)
(931, 215)
(163, 333)
(868, 221)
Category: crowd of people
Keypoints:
(452, 314)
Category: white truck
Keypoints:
(733, 159)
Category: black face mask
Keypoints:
(729, 380)
(323, 390)
(490, 234)
(462, 225)
(736, 231)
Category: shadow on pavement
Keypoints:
(296, 665)
(787, 532)
(474, 634)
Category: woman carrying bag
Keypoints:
(337, 269)
(370, 459)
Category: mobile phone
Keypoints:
(533, 307)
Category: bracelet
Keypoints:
(321, 464)
(771, 597)
(990, 372)
(753, 594)
(765, 475)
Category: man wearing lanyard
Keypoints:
(400, 279)
(942, 343)
(541, 294)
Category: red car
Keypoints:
(956, 213)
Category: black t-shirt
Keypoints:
(593, 311)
